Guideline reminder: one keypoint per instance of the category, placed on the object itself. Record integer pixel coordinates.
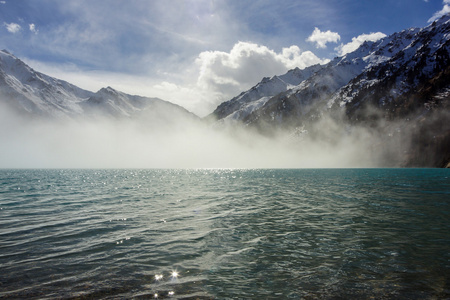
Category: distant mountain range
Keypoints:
(35, 94)
(398, 87)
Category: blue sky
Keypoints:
(195, 53)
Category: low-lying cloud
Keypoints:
(177, 143)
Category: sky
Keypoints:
(195, 53)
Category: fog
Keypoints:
(150, 141)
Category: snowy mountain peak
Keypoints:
(258, 95)
(444, 19)
(28, 91)
(108, 90)
(34, 92)
(402, 79)
(405, 58)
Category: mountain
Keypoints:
(403, 77)
(242, 105)
(35, 94)
(109, 102)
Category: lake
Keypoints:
(225, 234)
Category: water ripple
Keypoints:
(225, 234)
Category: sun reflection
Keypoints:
(158, 277)
(174, 274)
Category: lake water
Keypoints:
(225, 234)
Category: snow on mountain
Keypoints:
(401, 61)
(424, 54)
(396, 90)
(112, 103)
(240, 106)
(36, 94)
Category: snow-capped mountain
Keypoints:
(414, 76)
(398, 87)
(379, 71)
(29, 91)
(112, 103)
(33, 93)
(242, 105)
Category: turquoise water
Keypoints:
(225, 234)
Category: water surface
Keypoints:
(225, 234)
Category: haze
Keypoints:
(188, 143)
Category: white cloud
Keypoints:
(12, 27)
(33, 28)
(321, 38)
(2, 2)
(358, 41)
(226, 74)
(445, 10)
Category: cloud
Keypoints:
(226, 74)
(247, 63)
(445, 10)
(358, 41)
(322, 38)
(12, 27)
(33, 28)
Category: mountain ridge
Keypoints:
(33, 93)
(401, 77)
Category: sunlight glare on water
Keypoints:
(225, 233)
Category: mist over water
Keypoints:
(154, 142)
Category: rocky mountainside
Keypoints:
(251, 100)
(109, 102)
(35, 93)
(401, 81)
(32, 93)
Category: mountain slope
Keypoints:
(398, 87)
(398, 62)
(108, 102)
(240, 106)
(426, 56)
(29, 91)
(35, 94)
